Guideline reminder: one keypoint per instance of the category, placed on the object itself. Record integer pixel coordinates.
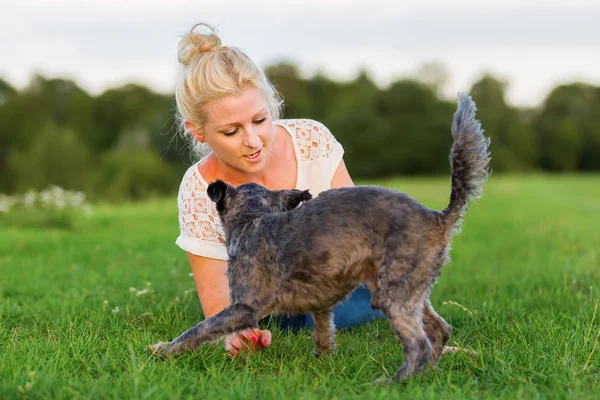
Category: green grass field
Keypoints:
(521, 290)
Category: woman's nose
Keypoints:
(252, 139)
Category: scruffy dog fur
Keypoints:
(289, 259)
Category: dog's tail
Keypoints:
(469, 159)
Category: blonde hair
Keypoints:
(212, 71)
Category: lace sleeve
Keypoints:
(319, 147)
(201, 232)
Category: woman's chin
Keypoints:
(251, 168)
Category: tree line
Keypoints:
(122, 144)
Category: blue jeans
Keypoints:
(355, 311)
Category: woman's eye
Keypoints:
(233, 132)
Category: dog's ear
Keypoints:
(216, 192)
(292, 198)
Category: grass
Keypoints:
(521, 290)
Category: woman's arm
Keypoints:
(341, 178)
(212, 286)
(211, 283)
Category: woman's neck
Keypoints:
(238, 177)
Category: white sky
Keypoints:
(535, 45)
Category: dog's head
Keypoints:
(254, 198)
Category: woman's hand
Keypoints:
(252, 339)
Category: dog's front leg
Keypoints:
(324, 331)
(234, 318)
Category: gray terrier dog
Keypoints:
(289, 259)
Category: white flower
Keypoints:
(50, 200)
(115, 310)
(148, 284)
(57, 191)
(77, 199)
(132, 289)
(45, 197)
(29, 198)
(6, 203)
(141, 292)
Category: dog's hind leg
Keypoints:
(406, 323)
(324, 331)
(234, 318)
(437, 330)
(402, 289)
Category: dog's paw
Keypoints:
(320, 352)
(383, 381)
(161, 349)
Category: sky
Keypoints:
(533, 45)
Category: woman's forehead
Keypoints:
(238, 108)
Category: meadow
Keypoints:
(78, 308)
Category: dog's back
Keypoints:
(336, 241)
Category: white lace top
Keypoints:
(318, 155)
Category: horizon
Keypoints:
(534, 46)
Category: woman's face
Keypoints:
(239, 130)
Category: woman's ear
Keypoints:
(195, 131)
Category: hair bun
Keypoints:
(193, 44)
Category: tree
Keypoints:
(134, 175)
(6, 90)
(323, 94)
(129, 108)
(568, 128)
(287, 81)
(419, 140)
(513, 143)
(354, 120)
(45, 105)
(56, 157)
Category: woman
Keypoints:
(230, 111)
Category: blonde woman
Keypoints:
(230, 112)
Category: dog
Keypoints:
(290, 253)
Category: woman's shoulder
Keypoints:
(299, 125)
(192, 183)
(201, 229)
(313, 138)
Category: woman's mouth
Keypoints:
(253, 156)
